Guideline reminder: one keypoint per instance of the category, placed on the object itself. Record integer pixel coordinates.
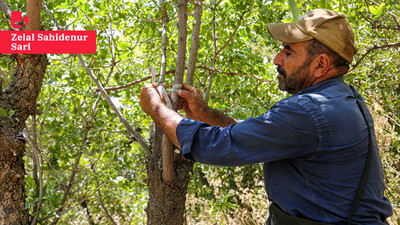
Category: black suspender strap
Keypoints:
(364, 176)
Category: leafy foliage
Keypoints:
(79, 136)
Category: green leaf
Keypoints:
(123, 45)
(374, 10)
(324, 4)
(294, 10)
(3, 112)
(11, 113)
(381, 8)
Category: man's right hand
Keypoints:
(193, 103)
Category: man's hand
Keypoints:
(193, 103)
(150, 98)
(165, 118)
(196, 108)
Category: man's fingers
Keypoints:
(185, 94)
(189, 88)
(155, 86)
(164, 85)
(181, 104)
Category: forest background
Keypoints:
(83, 164)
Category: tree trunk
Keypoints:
(167, 197)
(19, 101)
(166, 202)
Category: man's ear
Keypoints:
(321, 65)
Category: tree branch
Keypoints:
(37, 163)
(102, 204)
(164, 43)
(181, 54)
(33, 8)
(132, 83)
(211, 73)
(198, 10)
(5, 7)
(391, 45)
(173, 71)
(168, 173)
(234, 32)
(380, 26)
(80, 202)
(4, 77)
(52, 17)
(135, 134)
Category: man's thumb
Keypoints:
(183, 94)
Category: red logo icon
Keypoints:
(17, 21)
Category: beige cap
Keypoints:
(329, 28)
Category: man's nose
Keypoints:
(278, 60)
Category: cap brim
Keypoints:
(287, 32)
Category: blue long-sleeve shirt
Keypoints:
(313, 145)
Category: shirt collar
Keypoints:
(321, 84)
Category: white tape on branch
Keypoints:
(174, 88)
(162, 90)
(164, 94)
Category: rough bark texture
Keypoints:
(21, 98)
(166, 202)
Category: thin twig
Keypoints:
(52, 17)
(60, 211)
(115, 88)
(4, 77)
(132, 83)
(48, 162)
(38, 181)
(226, 99)
(233, 34)
(164, 40)
(379, 5)
(87, 177)
(80, 202)
(102, 205)
(215, 53)
(380, 26)
(68, 188)
(373, 48)
(137, 136)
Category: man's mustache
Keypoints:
(281, 71)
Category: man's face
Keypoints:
(293, 66)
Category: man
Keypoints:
(314, 144)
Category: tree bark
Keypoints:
(166, 202)
(19, 102)
(167, 199)
(21, 98)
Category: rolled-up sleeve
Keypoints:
(285, 131)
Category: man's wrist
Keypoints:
(206, 114)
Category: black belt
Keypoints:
(278, 217)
